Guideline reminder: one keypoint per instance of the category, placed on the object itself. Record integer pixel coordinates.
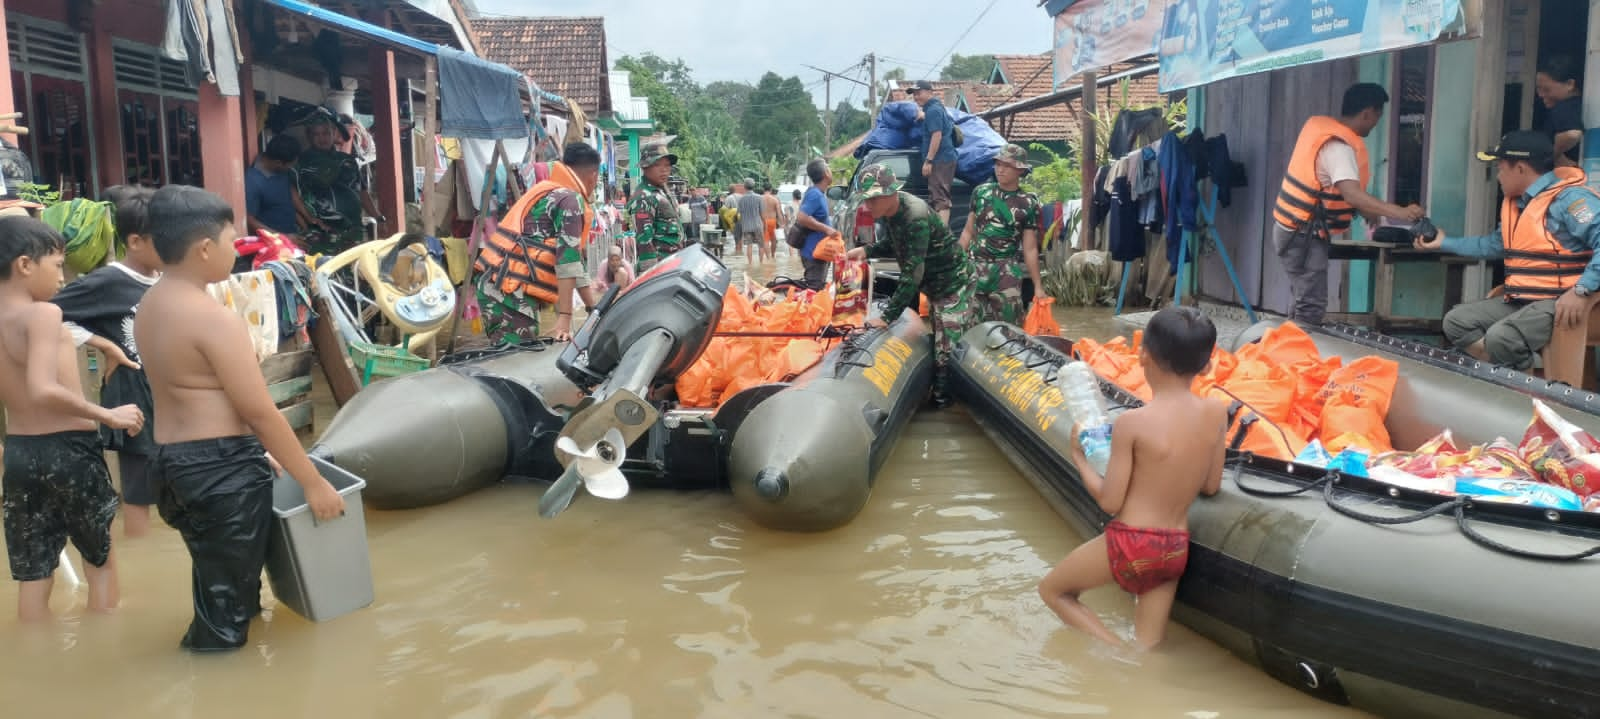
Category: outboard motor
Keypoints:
(633, 340)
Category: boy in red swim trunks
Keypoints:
(1162, 455)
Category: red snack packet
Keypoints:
(1561, 453)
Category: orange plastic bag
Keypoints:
(829, 249)
(1116, 362)
(794, 358)
(1356, 400)
(1040, 321)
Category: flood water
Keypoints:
(662, 605)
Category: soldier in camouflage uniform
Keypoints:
(656, 229)
(511, 319)
(931, 262)
(1002, 235)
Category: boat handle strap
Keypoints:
(1481, 540)
(1238, 481)
(1437, 509)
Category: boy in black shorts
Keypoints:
(56, 485)
(210, 469)
(99, 309)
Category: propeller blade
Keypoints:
(559, 496)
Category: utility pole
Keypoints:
(872, 63)
(827, 96)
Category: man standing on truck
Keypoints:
(931, 263)
(1004, 221)
(656, 229)
(938, 151)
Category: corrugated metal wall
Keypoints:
(1262, 114)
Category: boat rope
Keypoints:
(854, 347)
(1327, 496)
(539, 345)
(1461, 506)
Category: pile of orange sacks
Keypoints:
(732, 364)
(1296, 394)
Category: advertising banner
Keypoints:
(1094, 34)
(1202, 41)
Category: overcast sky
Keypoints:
(741, 39)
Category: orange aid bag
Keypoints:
(1356, 400)
(831, 248)
(1039, 321)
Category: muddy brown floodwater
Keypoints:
(662, 605)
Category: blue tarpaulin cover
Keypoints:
(897, 129)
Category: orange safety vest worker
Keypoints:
(1538, 266)
(516, 261)
(1301, 189)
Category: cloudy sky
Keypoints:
(741, 39)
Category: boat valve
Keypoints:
(1309, 676)
(771, 484)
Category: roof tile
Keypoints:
(564, 55)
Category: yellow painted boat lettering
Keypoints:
(887, 364)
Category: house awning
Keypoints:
(360, 28)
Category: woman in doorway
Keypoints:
(330, 193)
(1558, 85)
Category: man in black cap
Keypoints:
(1547, 236)
(938, 150)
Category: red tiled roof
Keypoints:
(564, 55)
(1060, 121)
(1033, 73)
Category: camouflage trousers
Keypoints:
(508, 320)
(651, 253)
(997, 293)
(949, 317)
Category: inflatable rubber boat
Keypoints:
(1396, 601)
(432, 436)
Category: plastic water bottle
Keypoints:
(1081, 390)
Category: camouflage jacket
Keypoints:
(654, 214)
(999, 218)
(931, 259)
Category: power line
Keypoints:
(963, 36)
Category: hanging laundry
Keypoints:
(225, 67)
(478, 99)
(254, 297)
(1179, 193)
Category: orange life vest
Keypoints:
(1301, 189)
(1538, 267)
(518, 261)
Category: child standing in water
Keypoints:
(1163, 455)
(214, 475)
(99, 309)
(56, 485)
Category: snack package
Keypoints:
(1314, 455)
(1349, 461)
(1513, 491)
(1560, 453)
(1428, 461)
(1398, 478)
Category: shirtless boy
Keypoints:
(56, 485)
(214, 475)
(1159, 463)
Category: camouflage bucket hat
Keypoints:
(1014, 156)
(654, 152)
(878, 181)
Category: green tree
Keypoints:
(968, 67)
(849, 122)
(843, 168)
(781, 119)
(665, 107)
(733, 96)
(674, 73)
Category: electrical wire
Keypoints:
(963, 36)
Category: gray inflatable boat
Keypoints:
(1397, 602)
(799, 455)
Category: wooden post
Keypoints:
(386, 133)
(1086, 155)
(430, 129)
